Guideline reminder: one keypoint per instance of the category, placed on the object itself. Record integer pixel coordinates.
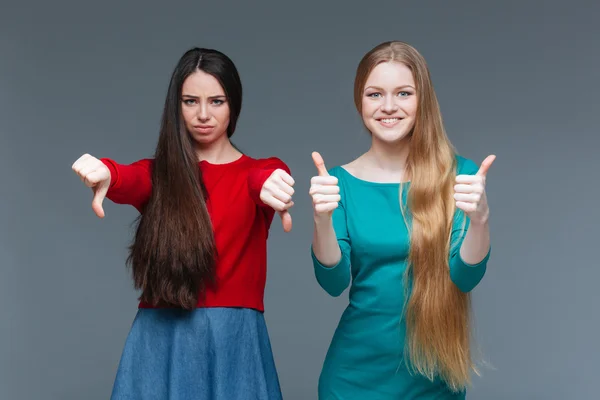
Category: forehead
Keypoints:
(390, 74)
(202, 84)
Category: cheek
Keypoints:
(411, 107)
(188, 114)
(368, 109)
(222, 114)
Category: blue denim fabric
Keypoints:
(204, 354)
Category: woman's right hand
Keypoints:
(324, 190)
(96, 176)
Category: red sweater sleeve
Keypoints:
(130, 184)
(260, 173)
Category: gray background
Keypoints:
(516, 80)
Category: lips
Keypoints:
(205, 129)
(389, 122)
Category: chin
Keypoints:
(201, 139)
(207, 139)
(391, 137)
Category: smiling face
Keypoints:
(205, 108)
(389, 102)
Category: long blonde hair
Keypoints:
(437, 313)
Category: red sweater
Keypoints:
(240, 221)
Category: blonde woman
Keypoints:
(405, 225)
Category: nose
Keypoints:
(203, 114)
(389, 105)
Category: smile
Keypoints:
(389, 122)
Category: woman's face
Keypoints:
(204, 107)
(389, 102)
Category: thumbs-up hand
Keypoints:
(470, 193)
(324, 189)
(277, 192)
(96, 176)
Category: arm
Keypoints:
(258, 175)
(470, 240)
(130, 184)
(330, 252)
(476, 245)
(330, 248)
(469, 253)
(271, 188)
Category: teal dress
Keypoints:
(364, 360)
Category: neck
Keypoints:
(389, 157)
(220, 151)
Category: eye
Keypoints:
(374, 95)
(404, 94)
(218, 102)
(189, 102)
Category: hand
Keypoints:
(324, 189)
(277, 193)
(95, 175)
(470, 193)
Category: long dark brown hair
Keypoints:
(173, 254)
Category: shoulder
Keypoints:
(336, 171)
(465, 166)
(343, 177)
(268, 163)
(344, 170)
(145, 162)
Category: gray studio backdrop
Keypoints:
(516, 80)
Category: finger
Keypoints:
(77, 164)
(85, 171)
(469, 179)
(99, 195)
(467, 197)
(324, 180)
(466, 207)
(324, 189)
(285, 187)
(87, 164)
(464, 188)
(287, 178)
(92, 178)
(281, 195)
(467, 188)
(326, 198)
(286, 220)
(277, 204)
(320, 164)
(326, 207)
(485, 165)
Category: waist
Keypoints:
(237, 291)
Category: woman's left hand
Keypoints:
(469, 193)
(277, 192)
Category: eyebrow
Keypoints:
(399, 87)
(219, 96)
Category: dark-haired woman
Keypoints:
(199, 252)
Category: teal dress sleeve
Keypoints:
(465, 276)
(335, 279)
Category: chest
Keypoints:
(229, 204)
(376, 226)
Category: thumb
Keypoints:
(485, 165)
(99, 195)
(286, 220)
(320, 164)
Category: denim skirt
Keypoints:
(204, 354)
